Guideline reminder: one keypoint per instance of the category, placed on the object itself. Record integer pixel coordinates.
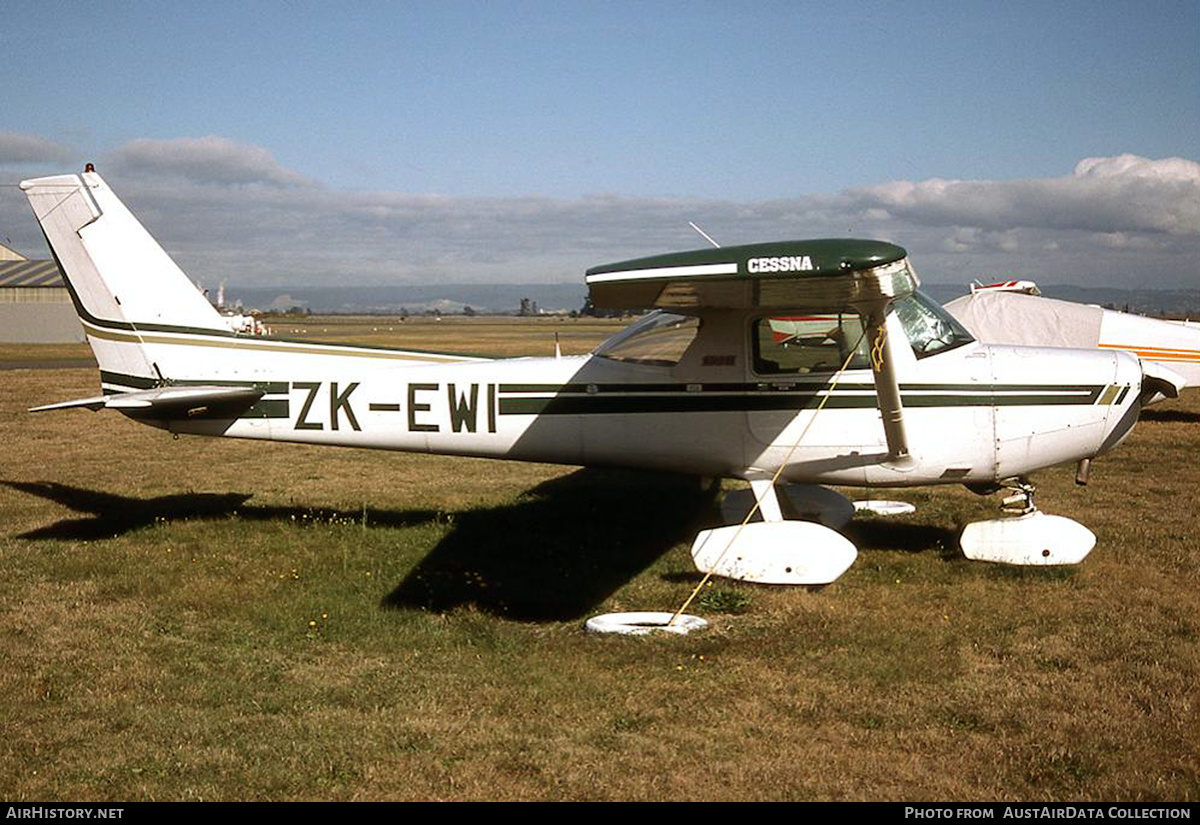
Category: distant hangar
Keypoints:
(35, 307)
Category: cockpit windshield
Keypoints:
(930, 328)
(659, 339)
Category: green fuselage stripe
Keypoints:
(633, 399)
(601, 404)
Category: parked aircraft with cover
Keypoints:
(1014, 312)
(799, 362)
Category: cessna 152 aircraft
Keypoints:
(801, 361)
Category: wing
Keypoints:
(820, 274)
(827, 274)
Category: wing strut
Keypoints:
(887, 390)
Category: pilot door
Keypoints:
(793, 361)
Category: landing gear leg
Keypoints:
(1018, 498)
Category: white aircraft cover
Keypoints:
(996, 317)
(1028, 320)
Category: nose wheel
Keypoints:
(1025, 535)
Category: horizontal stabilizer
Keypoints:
(170, 402)
(94, 403)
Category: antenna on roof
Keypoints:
(705, 234)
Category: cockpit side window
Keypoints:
(660, 339)
(811, 343)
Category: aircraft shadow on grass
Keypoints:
(1184, 416)
(111, 515)
(905, 537)
(561, 549)
(555, 553)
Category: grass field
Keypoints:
(208, 619)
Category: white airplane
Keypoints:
(813, 362)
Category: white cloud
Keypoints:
(226, 209)
(208, 160)
(1006, 241)
(1120, 194)
(16, 148)
(961, 239)
(1132, 166)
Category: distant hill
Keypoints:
(506, 298)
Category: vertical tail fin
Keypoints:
(121, 281)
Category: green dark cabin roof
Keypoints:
(824, 274)
(827, 256)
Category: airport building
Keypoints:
(35, 307)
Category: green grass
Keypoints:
(15, 355)
(207, 619)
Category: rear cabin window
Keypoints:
(659, 339)
(802, 344)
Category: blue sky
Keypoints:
(488, 141)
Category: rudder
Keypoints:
(121, 281)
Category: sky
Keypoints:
(296, 143)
